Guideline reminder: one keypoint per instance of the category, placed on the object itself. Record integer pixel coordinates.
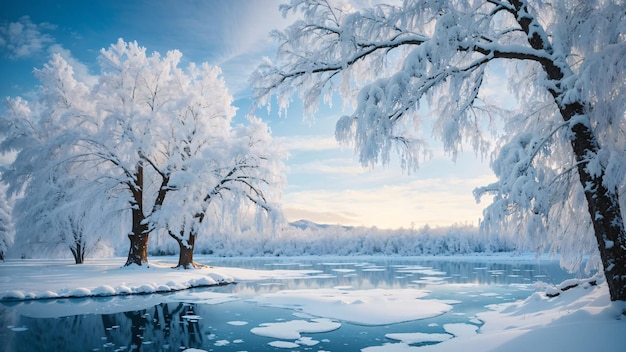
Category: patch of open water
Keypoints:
(334, 308)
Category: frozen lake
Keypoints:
(341, 304)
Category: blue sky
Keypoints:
(325, 182)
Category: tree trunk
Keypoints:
(602, 203)
(78, 248)
(138, 252)
(604, 209)
(78, 251)
(185, 253)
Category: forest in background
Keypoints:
(302, 238)
(307, 238)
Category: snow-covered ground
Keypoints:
(40, 279)
(579, 319)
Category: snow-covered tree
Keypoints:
(208, 164)
(56, 214)
(6, 223)
(45, 216)
(145, 131)
(562, 152)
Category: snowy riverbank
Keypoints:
(579, 319)
(45, 279)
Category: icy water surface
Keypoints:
(342, 304)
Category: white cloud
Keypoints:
(436, 202)
(346, 167)
(24, 38)
(308, 143)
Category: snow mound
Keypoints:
(14, 295)
(104, 290)
(555, 290)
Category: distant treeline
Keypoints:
(305, 238)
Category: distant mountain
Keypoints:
(306, 224)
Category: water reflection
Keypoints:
(172, 322)
(153, 329)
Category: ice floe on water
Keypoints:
(307, 341)
(430, 280)
(364, 307)
(344, 270)
(191, 317)
(283, 344)
(237, 323)
(420, 270)
(17, 328)
(292, 330)
(457, 330)
(203, 297)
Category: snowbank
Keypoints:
(581, 318)
(44, 279)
